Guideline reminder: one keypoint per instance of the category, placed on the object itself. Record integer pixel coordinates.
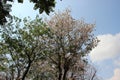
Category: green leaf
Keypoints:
(20, 1)
(2, 68)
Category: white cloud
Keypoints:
(116, 75)
(108, 47)
(117, 62)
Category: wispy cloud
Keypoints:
(116, 75)
(108, 47)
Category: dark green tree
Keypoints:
(43, 6)
(21, 44)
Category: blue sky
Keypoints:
(106, 15)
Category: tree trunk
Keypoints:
(18, 73)
(66, 68)
(64, 75)
(60, 73)
(59, 67)
(26, 71)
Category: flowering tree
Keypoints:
(71, 41)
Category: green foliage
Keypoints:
(20, 1)
(43, 6)
(54, 49)
(4, 12)
(22, 44)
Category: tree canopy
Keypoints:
(52, 49)
(72, 40)
(21, 46)
(43, 6)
